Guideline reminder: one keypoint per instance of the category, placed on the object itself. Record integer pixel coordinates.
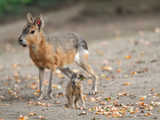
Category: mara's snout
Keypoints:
(22, 42)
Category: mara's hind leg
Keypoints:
(66, 71)
(86, 67)
(81, 60)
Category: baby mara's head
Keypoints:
(76, 79)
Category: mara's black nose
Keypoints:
(20, 41)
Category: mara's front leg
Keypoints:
(43, 88)
(49, 95)
(41, 78)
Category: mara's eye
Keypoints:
(32, 32)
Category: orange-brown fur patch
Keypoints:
(44, 56)
(85, 57)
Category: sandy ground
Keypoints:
(124, 52)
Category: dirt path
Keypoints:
(128, 50)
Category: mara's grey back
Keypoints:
(67, 41)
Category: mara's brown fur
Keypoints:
(44, 57)
(54, 53)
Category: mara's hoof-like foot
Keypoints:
(41, 97)
(49, 96)
(93, 92)
(45, 97)
(77, 106)
(69, 106)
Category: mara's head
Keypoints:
(31, 32)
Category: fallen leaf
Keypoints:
(108, 99)
(107, 78)
(147, 114)
(131, 110)
(14, 66)
(21, 117)
(119, 70)
(155, 104)
(142, 98)
(128, 57)
(115, 103)
(152, 89)
(16, 77)
(126, 83)
(37, 92)
(126, 76)
(41, 117)
(90, 110)
(107, 68)
(32, 114)
(122, 94)
(157, 94)
(102, 103)
(133, 73)
(116, 114)
(39, 103)
(56, 86)
(103, 75)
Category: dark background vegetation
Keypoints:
(16, 8)
(93, 8)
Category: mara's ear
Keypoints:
(30, 19)
(39, 21)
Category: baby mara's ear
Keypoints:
(82, 77)
(39, 21)
(74, 76)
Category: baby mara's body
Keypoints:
(74, 91)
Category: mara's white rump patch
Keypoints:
(79, 54)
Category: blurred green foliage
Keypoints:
(19, 6)
(10, 5)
